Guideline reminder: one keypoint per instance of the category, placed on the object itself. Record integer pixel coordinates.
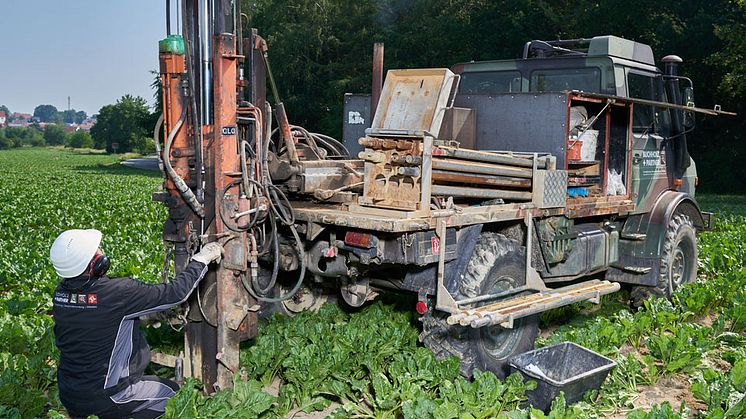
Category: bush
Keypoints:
(54, 134)
(13, 137)
(146, 145)
(34, 138)
(79, 139)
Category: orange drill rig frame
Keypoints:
(213, 184)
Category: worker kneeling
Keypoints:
(103, 352)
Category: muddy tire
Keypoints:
(497, 264)
(447, 340)
(678, 261)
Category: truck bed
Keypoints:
(392, 221)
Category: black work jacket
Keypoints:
(102, 349)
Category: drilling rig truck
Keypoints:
(491, 191)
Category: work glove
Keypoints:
(211, 252)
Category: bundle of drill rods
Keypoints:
(491, 175)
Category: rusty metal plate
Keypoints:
(414, 100)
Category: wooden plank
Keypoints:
(441, 176)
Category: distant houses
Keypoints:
(22, 120)
(18, 119)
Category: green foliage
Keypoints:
(25, 370)
(79, 139)
(367, 361)
(47, 113)
(124, 126)
(731, 58)
(71, 116)
(318, 51)
(13, 137)
(662, 411)
(244, 400)
(558, 410)
(54, 134)
(44, 192)
(723, 393)
(681, 349)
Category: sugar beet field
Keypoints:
(681, 359)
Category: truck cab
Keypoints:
(606, 65)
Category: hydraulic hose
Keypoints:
(267, 136)
(198, 135)
(181, 186)
(310, 138)
(275, 265)
(157, 141)
(301, 276)
(244, 168)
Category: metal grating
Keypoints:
(555, 188)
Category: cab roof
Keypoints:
(607, 46)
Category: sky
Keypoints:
(94, 51)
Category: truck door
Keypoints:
(650, 127)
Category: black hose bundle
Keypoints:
(280, 210)
(332, 148)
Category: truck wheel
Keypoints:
(496, 265)
(447, 340)
(678, 261)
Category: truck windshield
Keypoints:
(490, 82)
(587, 79)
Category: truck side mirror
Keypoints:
(688, 99)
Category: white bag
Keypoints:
(615, 184)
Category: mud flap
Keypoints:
(424, 280)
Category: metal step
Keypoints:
(506, 311)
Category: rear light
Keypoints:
(677, 182)
(696, 181)
(421, 307)
(357, 239)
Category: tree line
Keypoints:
(321, 49)
(50, 114)
(51, 135)
(120, 127)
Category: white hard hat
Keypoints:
(73, 250)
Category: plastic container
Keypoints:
(172, 44)
(575, 192)
(589, 139)
(583, 148)
(574, 146)
(564, 367)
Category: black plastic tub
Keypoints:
(564, 367)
